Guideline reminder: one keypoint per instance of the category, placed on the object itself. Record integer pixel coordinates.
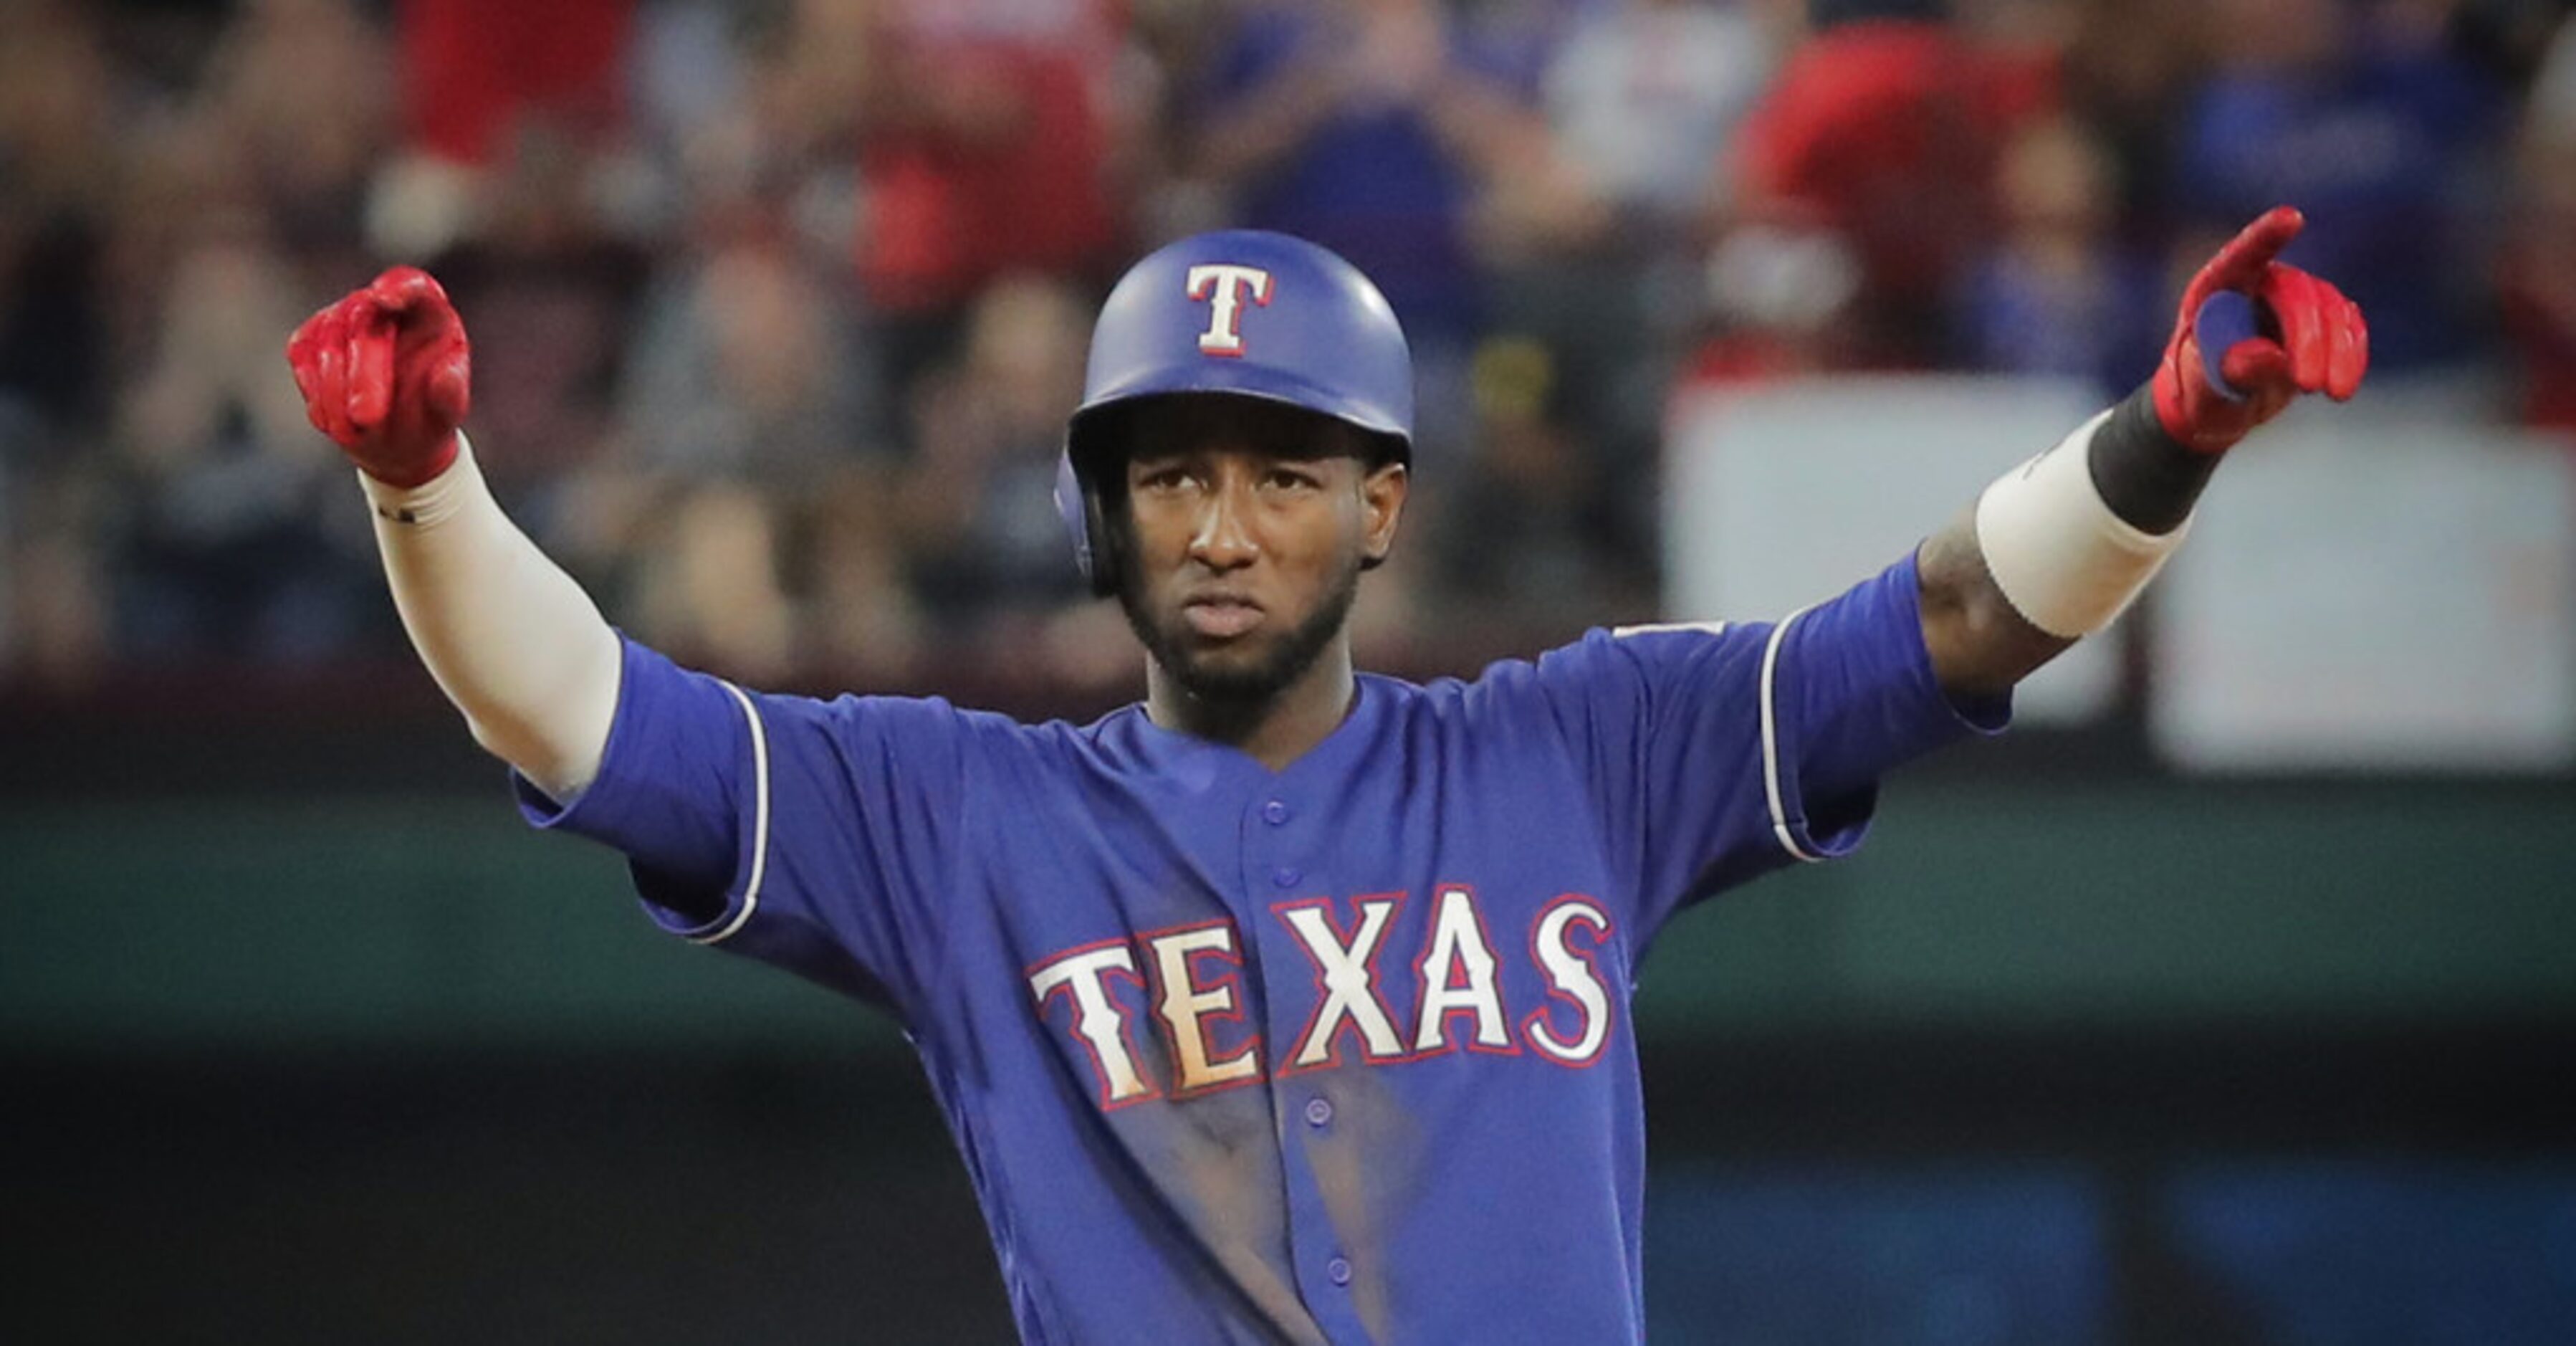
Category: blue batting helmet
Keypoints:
(1240, 311)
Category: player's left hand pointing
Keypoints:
(386, 374)
(2254, 333)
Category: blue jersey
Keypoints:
(1339, 1052)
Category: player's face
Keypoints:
(1249, 525)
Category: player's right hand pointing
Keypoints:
(385, 373)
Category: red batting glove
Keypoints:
(385, 373)
(2304, 337)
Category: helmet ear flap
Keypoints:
(1078, 499)
(1074, 507)
(1108, 550)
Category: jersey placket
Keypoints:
(1283, 873)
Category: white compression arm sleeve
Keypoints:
(510, 637)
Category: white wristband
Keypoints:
(434, 500)
(2064, 560)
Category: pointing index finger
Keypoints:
(401, 288)
(2241, 264)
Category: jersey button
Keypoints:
(1319, 1111)
(1338, 1271)
(1275, 812)
(1285, 877)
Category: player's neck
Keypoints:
(1274, 730)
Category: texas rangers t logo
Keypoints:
(1224, 285)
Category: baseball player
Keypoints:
(1291, 1004)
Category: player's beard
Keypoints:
(1241, 684)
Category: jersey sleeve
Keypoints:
(1719, 752)
(803, 833)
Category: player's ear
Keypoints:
(1382, 494)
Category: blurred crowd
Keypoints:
(778, 306)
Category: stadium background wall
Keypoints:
(315, 1066)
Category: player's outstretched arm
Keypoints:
(2060, 546)
(511, 638)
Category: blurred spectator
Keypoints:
(1367, 126)
(301, 92)
(475, 72)
(2060, 293)
(2127, 67)
(1645, 97)
(2553, 85)
(688, 67)
(988, 561)
(2360, 116)
(986, 149)
(746, 109)
(1531, 536)
(551, 294)
(1883, 129)
(1778, 292)
(2510, 38)
(797, 386)
(700, 121)
(747, 411)
(2538, 262)
(52, 325)
(476, 77)
(1326, 122)
(58, 170)
(55, 102)
(237, 540)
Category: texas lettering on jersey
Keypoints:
(1186, 982)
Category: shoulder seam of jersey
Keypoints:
(759, 820)
(1770, 745)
